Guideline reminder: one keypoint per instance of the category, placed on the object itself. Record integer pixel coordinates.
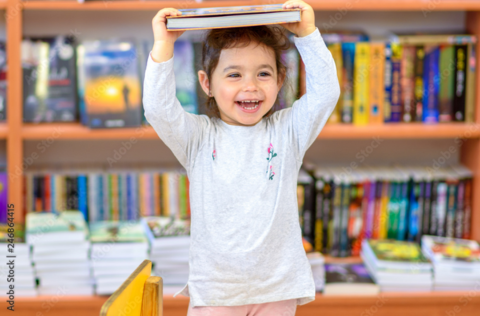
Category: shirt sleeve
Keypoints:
(181, 131)
(310, 113)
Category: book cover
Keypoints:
(117, 232)
(396, 250)
(318, 232)
(471, 81)
(407, 76)
(162, 226)
(460, 210)
(49, 78)
(468, 209)
(387, 107)
(418, 81)
(444, 249)
(396, 91)
(348, 55)
(427, 208)
(344, 247)
(459, 97)
(216, 17)
(402, 213)
(44, 223)
(290, 89)
(431, 84)
(355, 220)
(185, 76)
(334, 224)
(451, 208)
(347, 273)
(447, 75)
(376, 84)
(112, 91)
(361, 79)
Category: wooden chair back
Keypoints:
(140, 295)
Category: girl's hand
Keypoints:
(307, 25)
(159, 25)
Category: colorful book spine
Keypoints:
(431, 84)
(348, 54)
(82, 196)
(407, 74)
(459, 97)
(418, 82)
(387, 107)
(470, 101)
(361, 84)
(396, 92)
(376, 84)
(447, 74)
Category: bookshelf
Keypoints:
(16, 133)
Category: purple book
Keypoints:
(3, 197)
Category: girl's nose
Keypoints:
(250, 85)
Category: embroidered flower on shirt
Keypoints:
(214, 154)
(271, 155)
(270, 176)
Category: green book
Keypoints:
(388, 253)
(118, 231)
(447, 73)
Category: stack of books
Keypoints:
(169, 249)
(60, 252)
(17, 256)
(456, 262)
(348, 279)
(118, 248)
(397, 266)
(317, 262)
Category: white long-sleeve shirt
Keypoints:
(246, 242)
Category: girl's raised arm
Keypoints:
(181, 131)
(310, 113)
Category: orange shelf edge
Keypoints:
(334, 5)
(330, 131)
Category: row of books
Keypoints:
(424, 78)
(62, 251)
(99, 82)
(404, 78)
(102, 196)
(339, 207)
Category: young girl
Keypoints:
(246, 254)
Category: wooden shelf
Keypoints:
(3, 130)
(370, 5)
(330, 131)
(385, 304)
(78, 131)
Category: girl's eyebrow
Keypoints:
(241, 67)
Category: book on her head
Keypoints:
(225, 17)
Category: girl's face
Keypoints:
(244, 84)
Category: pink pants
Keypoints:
(280, 308)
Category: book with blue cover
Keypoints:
(109, 84)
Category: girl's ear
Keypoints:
(202, 77)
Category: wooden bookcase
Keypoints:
(16, 133)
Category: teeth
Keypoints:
(244, 104)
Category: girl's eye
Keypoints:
(233, 75)
(264, 74)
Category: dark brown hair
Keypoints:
(218, 39)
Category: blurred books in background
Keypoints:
(17, 251)
(60, 252)
(456, 262)
(169, 248)
(348, 279)
(397, 266)
(118, 248)
(427, 78)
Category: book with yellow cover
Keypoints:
(376, 88)
(361, 84)
(235, 16)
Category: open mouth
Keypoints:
(249, 105)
